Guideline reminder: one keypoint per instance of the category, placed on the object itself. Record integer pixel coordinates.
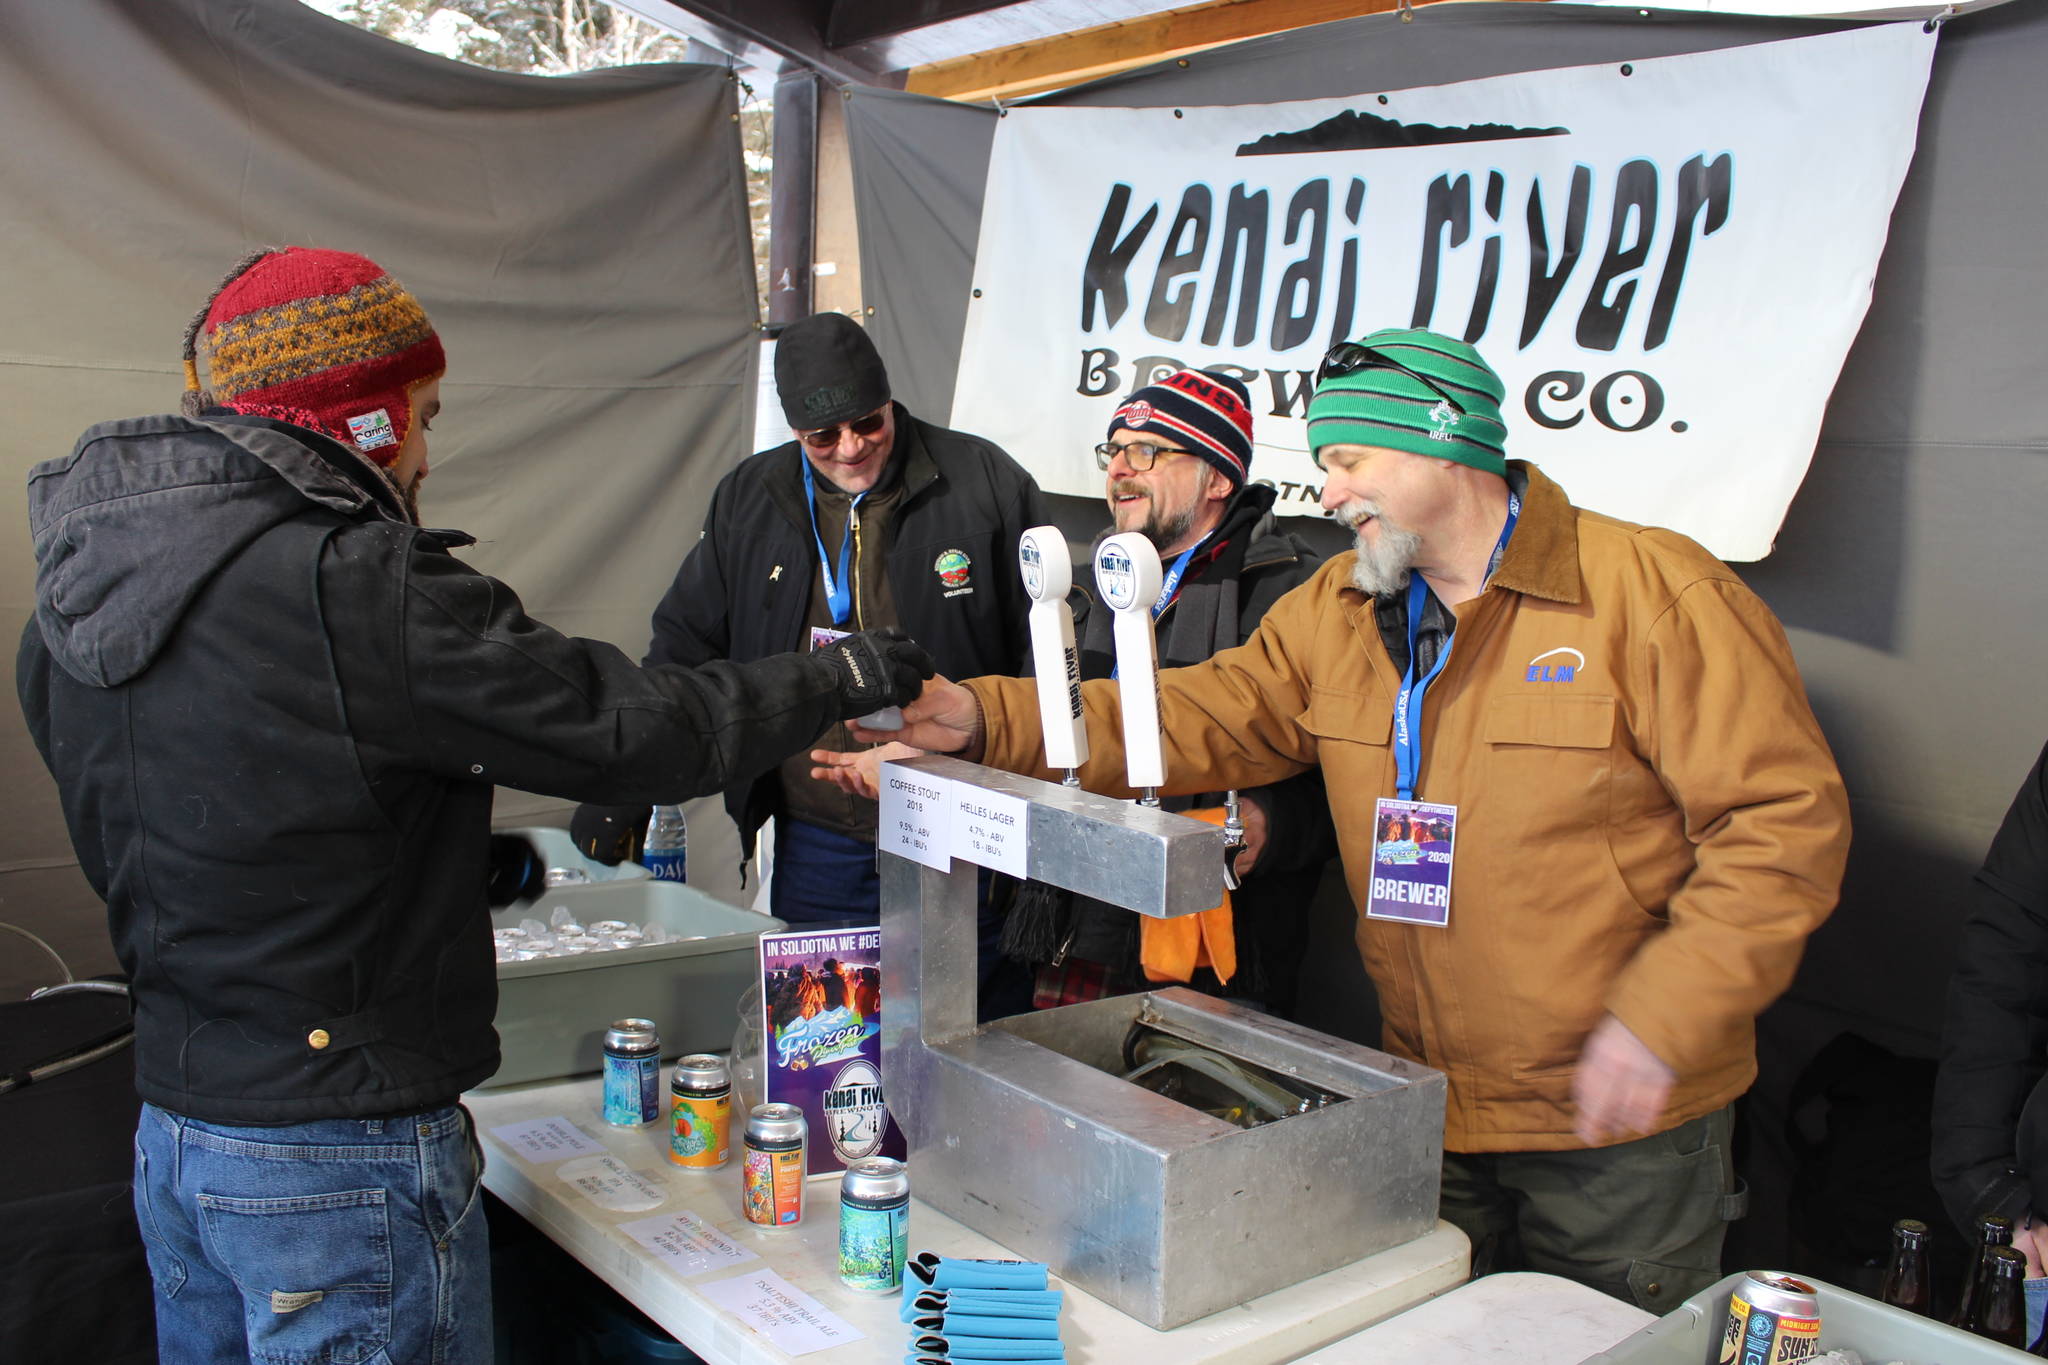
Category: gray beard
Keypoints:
(1382, 567)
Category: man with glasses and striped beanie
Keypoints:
(1585, 811)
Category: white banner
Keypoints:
(1666, 260)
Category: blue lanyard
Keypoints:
(839, 586)
(1171, 584)
(1408, 705)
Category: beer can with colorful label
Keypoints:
(1773, 1319)
(774, 1176)
(874, 1224)
(632, 1073)
(700, 1112)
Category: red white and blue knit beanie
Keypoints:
(318, 338)
(1204, 411)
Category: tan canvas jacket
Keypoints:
(1649, 820)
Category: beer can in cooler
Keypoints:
(874, 1224)
(774, 1176)
(700, 1112)
(1773, 1319)
(632, 1073)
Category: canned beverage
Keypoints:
(1773, 1319)
(774, 1177)
(700, 1112)
(874, 1224)
(632, 1073)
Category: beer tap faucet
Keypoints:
(1233, 839)
(1048, 576)
(1128, 576)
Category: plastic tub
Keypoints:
(552, 1012)
(1690, 1333)
(558, 850)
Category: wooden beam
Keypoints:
(1088, 54)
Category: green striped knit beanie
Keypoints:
(1415, 390)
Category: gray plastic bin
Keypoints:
(1690, 1333)
(552, 1012)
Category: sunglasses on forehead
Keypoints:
(824, 438)
(1349, 357)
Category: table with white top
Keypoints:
(1512, 1319)
(1281, 1326)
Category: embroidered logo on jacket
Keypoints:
(1539, 671)
(952, 567)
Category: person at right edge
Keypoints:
(1990, 1140)
(1641, 818)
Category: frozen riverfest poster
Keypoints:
(821, 994)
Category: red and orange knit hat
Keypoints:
(320, 339)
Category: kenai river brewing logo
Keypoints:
(855, 1117)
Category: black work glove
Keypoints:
(516, 871)
(609, 834)
(876, 668)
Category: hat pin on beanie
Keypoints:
(318, 338)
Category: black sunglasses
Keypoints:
(824, 438)
(1349, 357)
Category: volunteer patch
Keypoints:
(952, 567)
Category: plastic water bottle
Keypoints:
(664, 853)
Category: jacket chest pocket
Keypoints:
(1549, 761)
(1354, 737)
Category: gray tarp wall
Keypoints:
(581, 243)
(1910, 571)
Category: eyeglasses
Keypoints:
(1139, 455)
(1349, 357)
(824, 438)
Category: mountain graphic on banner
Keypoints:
(1356, 131)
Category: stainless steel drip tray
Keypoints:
(1094, 1034)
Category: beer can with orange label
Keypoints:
(700, 1112)
(1773, 1319)
(774, 1177)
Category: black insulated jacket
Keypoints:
(275, 711)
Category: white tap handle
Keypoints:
(1048, 576)
(1127, 575)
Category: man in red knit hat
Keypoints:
(275, 708)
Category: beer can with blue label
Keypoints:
(632, 1073)
(874, 1224)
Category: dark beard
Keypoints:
(1163, 531)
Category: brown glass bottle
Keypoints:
(1993, 1230)
(2002, 1306)
(1906, 1283)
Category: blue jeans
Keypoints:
(336, 1242)
(2037, 1307)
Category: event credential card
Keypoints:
(1411, 862)
(821, 992)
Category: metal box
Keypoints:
(552, 1012)
(1021, 1130)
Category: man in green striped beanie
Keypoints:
(1401, 393)
(1585, 812)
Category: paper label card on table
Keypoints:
(687, 1242)
(989, 829)
(543, 1140)
(916, 817)
(611, 1184)
(795, 1322)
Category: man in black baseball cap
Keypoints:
(868, 517)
